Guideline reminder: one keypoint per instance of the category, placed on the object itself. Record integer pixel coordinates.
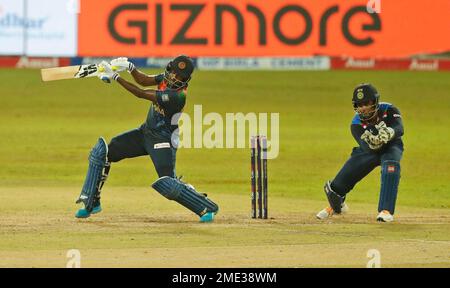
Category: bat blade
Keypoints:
(69, 72)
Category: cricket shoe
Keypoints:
(83, 213)
(385, 216)
(328, 212)
(207, 217)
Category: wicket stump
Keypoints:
(259, 181)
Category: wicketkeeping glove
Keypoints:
(121, 64)
(373, 141)
(385, 133)
(106, 72)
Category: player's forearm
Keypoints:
(357, 131)
(397, 125)
(143, 79)
(136, 91)
(364, 146)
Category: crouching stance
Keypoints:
(154, 138)
(377, 128)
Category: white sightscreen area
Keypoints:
(38, 27)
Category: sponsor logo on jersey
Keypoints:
(161, 145)
(391, 169)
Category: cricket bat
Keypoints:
(70, 72)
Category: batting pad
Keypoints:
(174, 189)
(334, 199)
(97, 162)
(390, 178)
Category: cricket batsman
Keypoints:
(154, 138)
(377, 128)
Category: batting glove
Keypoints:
(121, 64)
(106, 72)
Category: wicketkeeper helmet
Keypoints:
(364, 94)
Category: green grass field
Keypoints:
(48, 129)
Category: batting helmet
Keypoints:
(178, 72)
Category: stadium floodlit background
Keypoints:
(300, 59)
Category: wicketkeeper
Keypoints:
(154, 138)
(377, 128)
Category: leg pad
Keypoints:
(390, 179)
(334, 199)
(95, 176)
(185, 194)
